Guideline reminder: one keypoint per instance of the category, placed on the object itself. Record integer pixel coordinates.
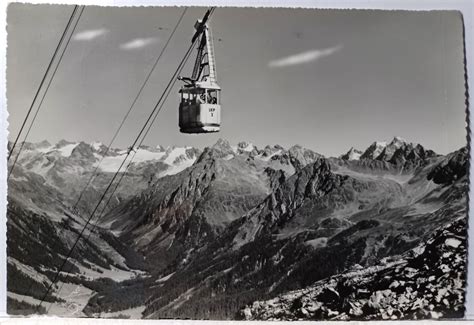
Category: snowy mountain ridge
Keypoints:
(226, 225)
(377, 150)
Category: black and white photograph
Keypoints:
(224, 163)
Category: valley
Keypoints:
(234, 232)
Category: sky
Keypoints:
(325, 79)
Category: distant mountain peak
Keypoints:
(82, 150)
(398, 151)
(43, 144)
(63, 143)
(243, 147)
(397, 139)
(374, 150)
(243, 144)
(220, 149)
(96, 145)
(352, 154)
(384, 150)
(223, 146)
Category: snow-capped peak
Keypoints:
(177, 158)
(352, 154)
(380, 144)
(96, 145)
(63, 143)
(387, 151)
(398, 141)
(222, 145)
(173, 154)
(65, 148)
(374, 150)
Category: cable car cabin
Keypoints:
(200, 110)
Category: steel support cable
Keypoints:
(178, 70)
(144, 137)
(94, 173)
(123, 174)
(44, 94)
(118, 130)
(101, 214)
(42, 80)
(71, 19)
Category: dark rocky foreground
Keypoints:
(426, 282)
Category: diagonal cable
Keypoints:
(44, 94)
(150, 117)
(43, 80)
(94, 173)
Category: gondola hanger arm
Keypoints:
(201, 26)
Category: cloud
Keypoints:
(304, 57)
(88, 35)
(137, 43)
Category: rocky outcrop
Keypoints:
(313, 225)
(352, 154)
(312, 182)
(425, 283)
(374, 150)
(452, 168)
(399, 152)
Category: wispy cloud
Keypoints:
(137, 43)
(305, 57)
(88, 35)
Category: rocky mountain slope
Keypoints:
(45, 186)
(317, 223)
(202, 234)
(425, 282)
(180, 213)
(68, 166)
(43, 225)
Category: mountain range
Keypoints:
(239, 232)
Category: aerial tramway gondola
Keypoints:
(199, 109)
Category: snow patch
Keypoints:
(112, 163)
(96, 145)
(67, 149)
(379, 146)
(143, 155)
(45, 149)
(177, 168)
(317, 242)
(173, 154)
(453, 242)
(354, 154)
(165, 278)
(276, 153)
(75, 296)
